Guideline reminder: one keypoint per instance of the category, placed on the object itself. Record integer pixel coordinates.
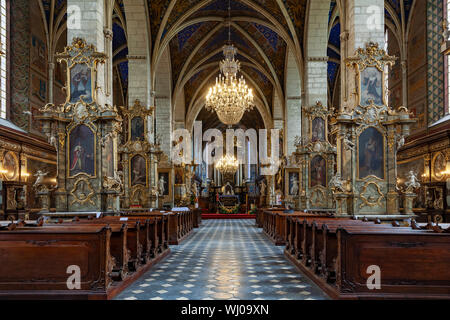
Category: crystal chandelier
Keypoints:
(227, 165)
(230, 98)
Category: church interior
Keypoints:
(224, 149)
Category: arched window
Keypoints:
(3, 64)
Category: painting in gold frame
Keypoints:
(81, 83)
(318, 172)
(371, 154)
(10, 165)
(372, 87)
(138, 171)
(81, 150)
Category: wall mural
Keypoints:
(38, 56)
(371, 154)
(81, 151)
(38, 87)
(138, 170)
(80, 83)
(318, 172)
(371, 86)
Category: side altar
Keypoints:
(86, 134)
(369, 132)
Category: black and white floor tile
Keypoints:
(224, 260)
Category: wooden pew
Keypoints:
(336, 253)
(35, 262)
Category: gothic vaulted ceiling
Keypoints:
(196, 30)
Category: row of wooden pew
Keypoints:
(273, 222)
(180, 223)
(45, 260)
(342, 256)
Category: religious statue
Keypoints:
(228, 189)
(400, 141)
(262, 187)
(194, 189)
(40, 178)
(336, 183)
(162, 186)
(52, 140)
(294, 186)
(412, 183)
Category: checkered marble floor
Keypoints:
(224, 260)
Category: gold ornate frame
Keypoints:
(323, 191)
(137, 110)
(94, 130)
(16, 163)
(286, 178)
(366, 201)
(81, 53)
(88, 197)
(371, 56)
(93, 72)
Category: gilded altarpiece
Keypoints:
(368, 136)
(137, 159)
(85, 134)
(316, 157)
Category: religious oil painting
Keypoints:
(138, 170)
(82, 151)
(371, 154)
(318, 130)
(81, 83)
(371, 86)
(318, 172)
(137, 129)
(108, 156)
(163, 183)
(293, 183)
(10, 166)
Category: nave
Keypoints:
(224, 260)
